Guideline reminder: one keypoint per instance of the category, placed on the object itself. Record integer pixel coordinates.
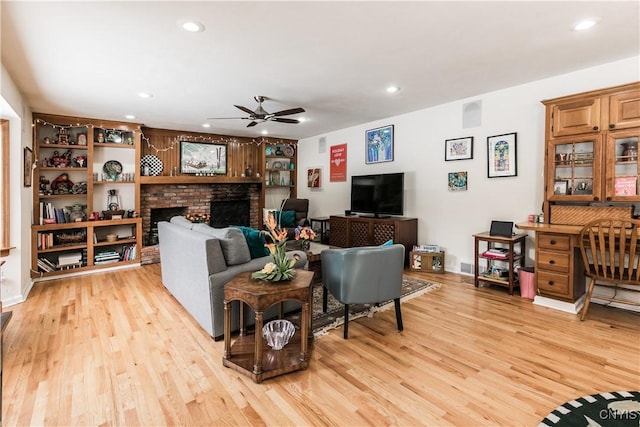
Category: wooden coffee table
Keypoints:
(248, 353)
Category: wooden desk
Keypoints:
(558, 264)
(249, 354)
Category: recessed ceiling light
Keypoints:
(145, 95)
(206, 125)
(264, 132)
(393, 89)
(302, 119)
(191, 26)
(585, 24)
(130, 116)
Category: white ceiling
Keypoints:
(334, 59)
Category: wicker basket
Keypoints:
(580, 215)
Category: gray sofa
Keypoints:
(198, 260)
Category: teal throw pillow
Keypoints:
(255, 241)
(387, 243)
(287, 218)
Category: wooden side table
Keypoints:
(249, 354)
(515, 250)
(429, 262)
(324, 222)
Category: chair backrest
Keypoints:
(610, 250)
(363, 275)
(300, 206)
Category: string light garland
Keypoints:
(176, 141)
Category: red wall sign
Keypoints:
(338, 163)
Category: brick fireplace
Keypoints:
(197, 199)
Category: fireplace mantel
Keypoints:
(190, 179)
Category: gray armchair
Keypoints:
(364, 275)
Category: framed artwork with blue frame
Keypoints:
(379, 145)
(502, 160)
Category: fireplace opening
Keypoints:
(161, 214)
(229, 212)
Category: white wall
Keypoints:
(446, 218)
(17, 279)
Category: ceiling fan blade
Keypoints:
(225, 118)
(252, 124)
(245, 109)
(290, 111)
(283, 120)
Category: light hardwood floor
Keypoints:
(115, 348)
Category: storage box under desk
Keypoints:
(429, 262)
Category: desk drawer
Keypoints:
(554, 261)
(553, 282)
(553, 241)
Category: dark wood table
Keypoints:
(248, 353)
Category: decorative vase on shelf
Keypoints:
(630, 151)
(305, 245)
(76, 213)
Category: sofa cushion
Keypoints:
(181, 221)
(234, 245)
(255, 240)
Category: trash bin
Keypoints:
(526, 277)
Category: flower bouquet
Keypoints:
(198, 218)
(281, 268)
(306, 235)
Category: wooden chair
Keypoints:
(611, 254)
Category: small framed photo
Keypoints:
(114, 136)
(458, 149)
(501, 155)
(560, 187)
(457, 181)
(28, 166)
(314, 176)
(203, 158)
(379, 145)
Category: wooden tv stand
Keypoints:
(353, 231)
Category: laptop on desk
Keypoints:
(501, 228)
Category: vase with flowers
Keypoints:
(305, 235)
(281, 268)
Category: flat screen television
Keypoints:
(378, 195)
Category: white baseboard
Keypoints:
(568, 307)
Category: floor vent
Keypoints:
(466, 268)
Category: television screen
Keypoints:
(378, 195)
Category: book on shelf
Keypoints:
(496, 253)
(69, 258)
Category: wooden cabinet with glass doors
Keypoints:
(592, 147)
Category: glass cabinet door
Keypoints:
(574, 169)
(622, 166)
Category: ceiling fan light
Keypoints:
(302, 119)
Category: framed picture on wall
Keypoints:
(501, 155)
(379, 145)
(457, 181)
(202, 158)
(458, 149)
(314, 177)
(28, 166)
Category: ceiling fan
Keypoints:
(259, 115)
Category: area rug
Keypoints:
(334, 317)
(618, 408)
